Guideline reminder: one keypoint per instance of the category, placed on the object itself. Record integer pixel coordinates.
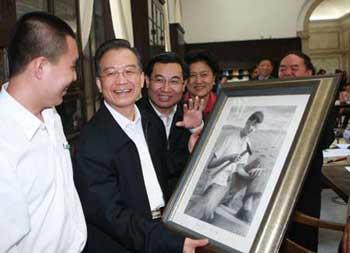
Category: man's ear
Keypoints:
(147, 81)
(142, 79)
(184, 86)
(39, 66)
(99, 85)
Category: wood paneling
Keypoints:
(7, 20)
(177, 39)
(108, 24)
(244, 54)
(139, 11)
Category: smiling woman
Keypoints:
(203, 72)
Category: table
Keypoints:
(337, 178)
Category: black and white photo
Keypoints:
(243, 178)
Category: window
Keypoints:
(156, 26)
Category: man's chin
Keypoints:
(57, 103)
(166, 105)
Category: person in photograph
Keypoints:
(120, 164)
(298, 64)
(251, 185)
(40, 210)
(166, 79)
(204, 69)
(228, 163)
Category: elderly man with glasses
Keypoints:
(120, 164)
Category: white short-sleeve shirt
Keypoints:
(40, 210)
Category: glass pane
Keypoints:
(150, 26)
(156, 26)
(25, 6)
(65, 9)
(99, 28)
(71, 113)
(149, 6)
(154, 10)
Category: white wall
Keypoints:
(229, 20)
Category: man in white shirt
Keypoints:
(40, 209)
(120, 166)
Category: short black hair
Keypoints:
(114, 44)
(257, 117)
(168, 57)
(37, 34)
(203, 55)
(265, 59)
(307, 60)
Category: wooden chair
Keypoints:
(314, 222)
(289, 246)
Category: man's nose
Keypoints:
(166, 86)
(287, 72)
(120, 78)
(74, 75)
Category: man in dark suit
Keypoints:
(166, 78)
(265, 69)
(298, 64)
(120, 167)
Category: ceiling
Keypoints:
(331, 9)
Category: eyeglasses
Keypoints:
(162, 81)
(129, 72)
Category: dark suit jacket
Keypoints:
(309, 201)
(177, 148)
(109, 179)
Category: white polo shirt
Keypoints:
(134, 131)
(40, 210)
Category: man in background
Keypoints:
(39, 209)
(297, 64)
(264, 68)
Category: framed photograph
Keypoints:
(243, 178)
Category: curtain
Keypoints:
(178, 12)
(86, 11)
(166, 28)
(121, 19)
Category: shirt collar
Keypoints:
(171, 114)
(24, 118)
(263, 77)
(123, 121)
